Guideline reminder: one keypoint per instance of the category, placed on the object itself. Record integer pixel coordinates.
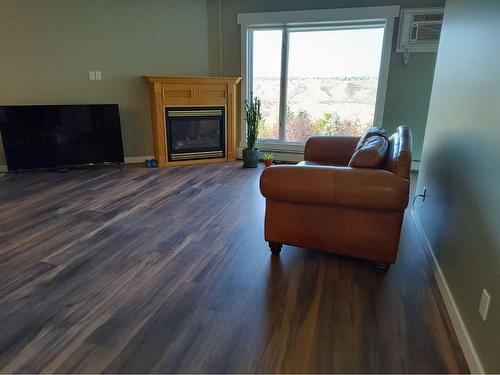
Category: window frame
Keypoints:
(310, 20)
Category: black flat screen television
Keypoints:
(49, 136)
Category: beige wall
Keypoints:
(460, 167)
(408, 87)
(47, 48)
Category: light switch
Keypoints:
(98, 75)
(92, 76)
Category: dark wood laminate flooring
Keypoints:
(166, 270)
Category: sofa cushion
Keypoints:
(371, 154)
(370, 133)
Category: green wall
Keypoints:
(408, 94)
(47, 48)
(460, 169)
(408, 89)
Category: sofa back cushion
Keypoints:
(371, 154)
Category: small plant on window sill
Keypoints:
(253, 118)
(268, 159)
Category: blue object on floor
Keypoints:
(147, 163)
(154, 163)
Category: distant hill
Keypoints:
(351, 98)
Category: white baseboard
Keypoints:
(464, 339)
(277, 156)
(137, 159)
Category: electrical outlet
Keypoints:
(92, 76)
(484, 304)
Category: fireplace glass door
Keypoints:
(195, 133)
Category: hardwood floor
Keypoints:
(166, 270)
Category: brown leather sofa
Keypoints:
(323, 204)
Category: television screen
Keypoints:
(47, 136)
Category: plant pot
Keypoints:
(250, 158)
(268, 162)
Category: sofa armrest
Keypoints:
(330, 150)
(375, 189)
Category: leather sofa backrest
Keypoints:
(398, 159)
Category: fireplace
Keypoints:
(195, 133)
(193, 119)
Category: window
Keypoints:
(266, 72)
(326, 77)
(332, 82)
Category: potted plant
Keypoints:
(253, 118)
(268, 159)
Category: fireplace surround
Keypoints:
(193, 119)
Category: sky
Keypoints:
(327, 53)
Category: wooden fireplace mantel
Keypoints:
(191, 91)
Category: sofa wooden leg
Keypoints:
(381, 267)
(275, 247)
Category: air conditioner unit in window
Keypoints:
(419, 29)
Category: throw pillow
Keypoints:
(371, 154)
